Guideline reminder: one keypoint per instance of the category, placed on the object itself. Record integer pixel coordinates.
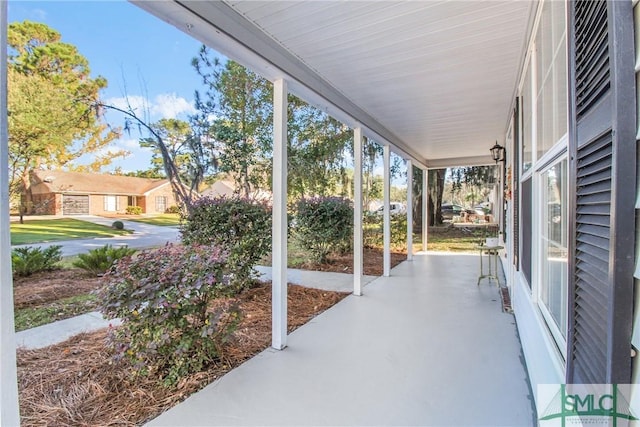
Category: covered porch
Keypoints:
(421, 347)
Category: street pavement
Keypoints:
(143, 236)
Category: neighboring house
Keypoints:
(228, 189)
(76, 193)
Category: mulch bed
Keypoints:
(76, 382)
(372, 262)
(47, 286)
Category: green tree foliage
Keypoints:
(51, 102)
(240, 103)
(475, 181)
(317, 148)
(192, 157)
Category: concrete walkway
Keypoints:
(53, 333)
(426, 346)
(143, 236)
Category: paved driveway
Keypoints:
(143, 236)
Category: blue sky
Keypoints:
(140, 56)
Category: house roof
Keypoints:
(435, 79)
(92, 183)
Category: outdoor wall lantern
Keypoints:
(497, 153)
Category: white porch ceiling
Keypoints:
(434, 78)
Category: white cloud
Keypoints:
(128, 144)
(136, 103)
(163, 106)
(169, 106)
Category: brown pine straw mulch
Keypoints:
(44, 287)
(76, 383)
(372, 262)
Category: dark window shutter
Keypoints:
(602, 153)
(516, 185)
(525, 238)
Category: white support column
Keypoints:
(279, 232)
(425, 203)
(357, 211)
(409, 210)
(9, 409)
(386, 166)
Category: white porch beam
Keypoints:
(279, 230)
(409, 210)
(425, 203)
(9, 409)
(357, 211)
(386, 228)
(454, 162)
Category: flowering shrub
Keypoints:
(171, 325)
(324, 225)
(242, 227)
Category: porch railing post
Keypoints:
(357, 211)
(425, 202)
(279, 221)
(9, 409)
(409, 210)
(386, 257)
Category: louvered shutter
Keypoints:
(602, 148)
(516, 185)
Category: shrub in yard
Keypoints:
(373, 230)
(29, 260)
(324, 225)
(118, 225)
(173, 319)
(172, 210)
(134, 210)
(242, 227)
(99, 261)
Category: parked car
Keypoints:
(394, 209)
(449, 210)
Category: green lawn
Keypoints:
(456, 239)
(52, 230)
(160, 219)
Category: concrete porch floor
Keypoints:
(425, 346)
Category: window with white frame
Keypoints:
(161, 203)
(553, 249)
(111, 203)
(551, 77)
(543, 232)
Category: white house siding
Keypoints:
(545, 363)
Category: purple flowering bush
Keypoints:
(173, 306)
(242, 227)
(324, 225)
